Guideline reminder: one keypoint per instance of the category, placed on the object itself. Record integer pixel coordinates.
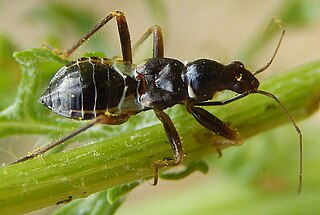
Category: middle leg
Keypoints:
(174, 140)
(158, 47)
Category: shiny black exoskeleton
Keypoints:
(89, 87)
(110, 91)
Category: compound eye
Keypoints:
(238, 64)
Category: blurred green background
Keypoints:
(253, 178)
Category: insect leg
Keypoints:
(158, 47)
(123, 33)
(295, 126)
(46, 148)
(223, 102)
(174, 140)
(214, 124)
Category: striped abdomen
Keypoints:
(88, 87)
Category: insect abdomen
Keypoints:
(85, 88)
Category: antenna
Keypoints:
(295, 127)
(273, 56)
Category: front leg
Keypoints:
(214, 124)
(175, 143)
(220, 103)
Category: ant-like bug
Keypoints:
(110, 91)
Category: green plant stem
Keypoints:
(46, 180)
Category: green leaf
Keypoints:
(94, 204)
(118, 192)
(9, 71)
(291, 14)
(299, 13)
(200, 166)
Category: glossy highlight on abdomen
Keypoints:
(84, 89)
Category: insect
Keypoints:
(109, 91)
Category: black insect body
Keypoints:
(110, 91)
(160, 83)
(89, 87)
